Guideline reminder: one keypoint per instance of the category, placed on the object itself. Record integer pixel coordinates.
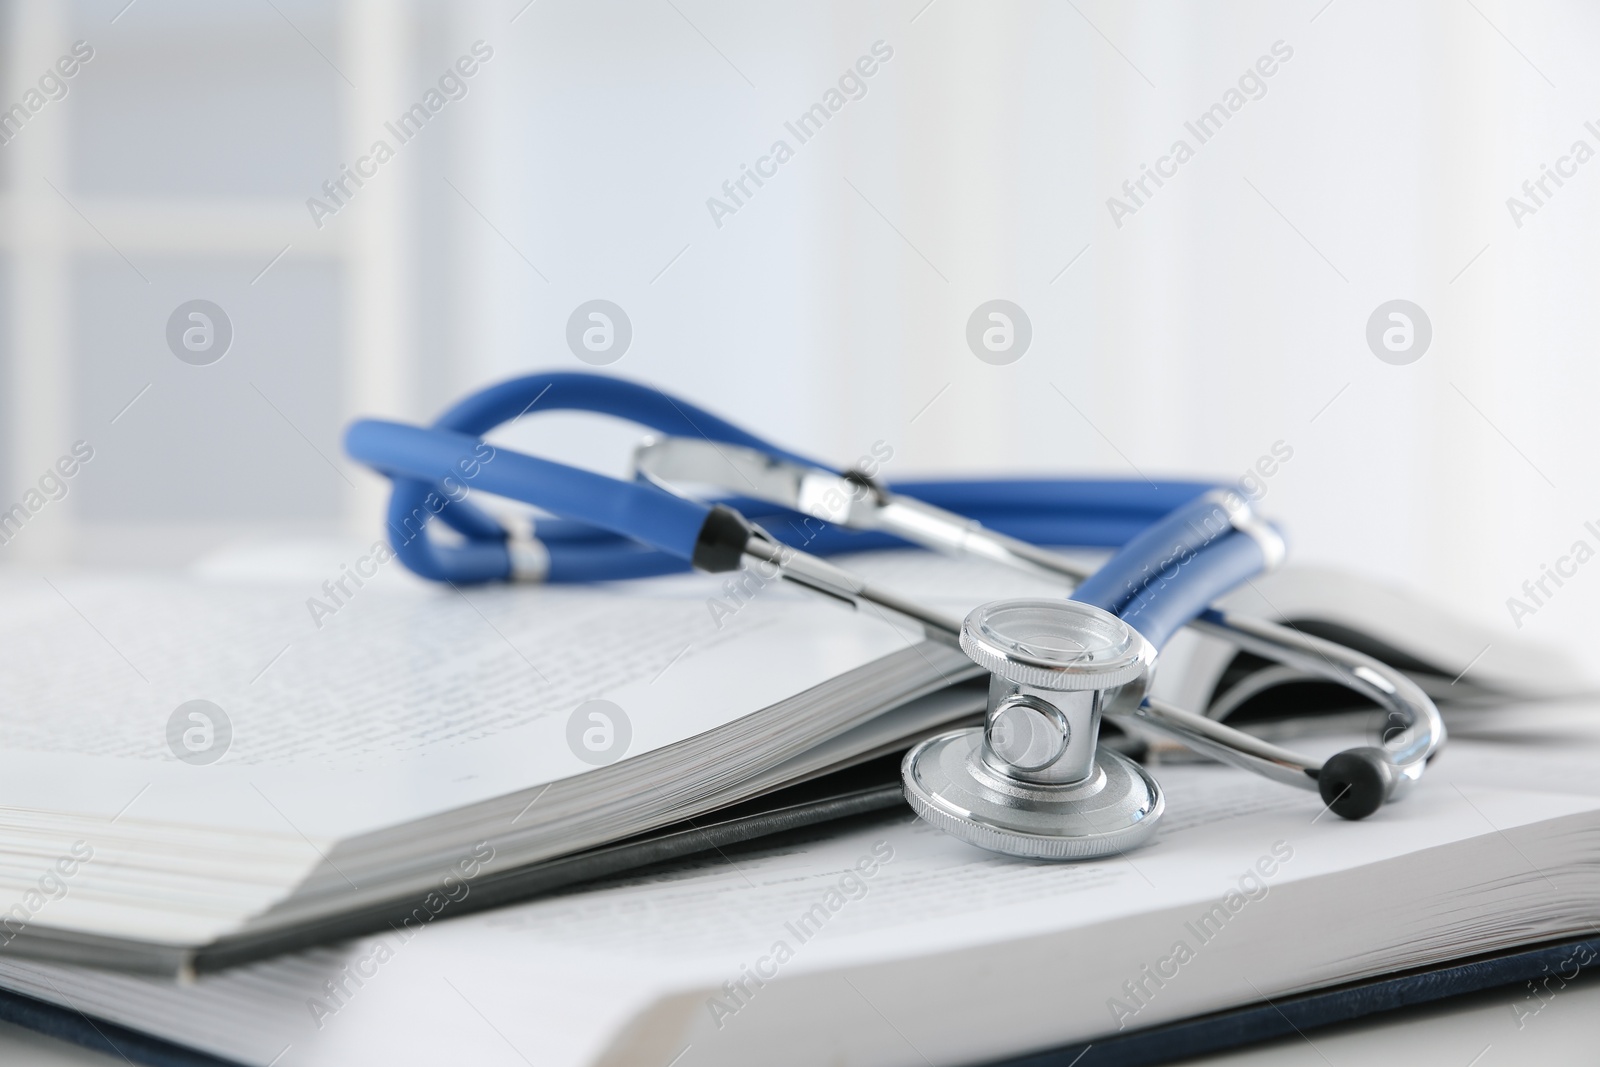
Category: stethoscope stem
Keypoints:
(1413, 731)
(1211, 738)
(854, 501)
(944, 531)
(819, 576)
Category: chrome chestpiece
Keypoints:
(1033, 780)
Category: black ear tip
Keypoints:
(1354, 783)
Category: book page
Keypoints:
(860, 927)
(405, 698)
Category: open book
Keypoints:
(218, 764)
(197, 771)
(887, 942)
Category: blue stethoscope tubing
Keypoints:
(1177, 551)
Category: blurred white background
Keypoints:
(1227, 314)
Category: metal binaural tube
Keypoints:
(1415, 731)
(1421, 730)
(1224, 743)
(820, 576)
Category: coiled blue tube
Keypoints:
(1172, 571)
(1168, 603)
(1178, 549)
(483, 556)
(660, 520)
(1158, 549)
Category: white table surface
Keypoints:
(1477, 1031)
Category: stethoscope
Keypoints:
(1033, 780)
